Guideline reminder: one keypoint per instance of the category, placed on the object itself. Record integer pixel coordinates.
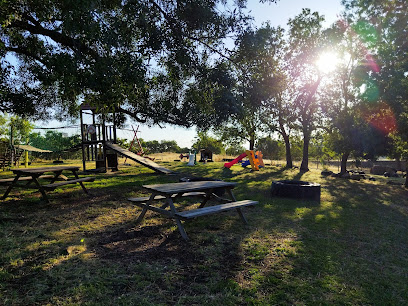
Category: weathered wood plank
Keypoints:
(27, 171)
(159, 197)
(139, 159)
(162, 211)
(188, 186)
(24, 178)
(55, 185)
(214, 209)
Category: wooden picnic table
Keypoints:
(205, 189)
(32, 176)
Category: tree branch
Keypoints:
(64, 40)
(131, 114)
(176, 29)
(26, 52)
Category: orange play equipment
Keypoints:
(255, 160)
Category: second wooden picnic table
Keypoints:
(32, 176)
(205, 189)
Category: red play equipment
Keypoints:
(255, 160)
(229, 164)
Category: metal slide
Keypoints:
(139, 159)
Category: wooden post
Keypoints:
(82, 144)
(105, 162)
(11, 145)
(114, 128)
(26, 158)
(26, 155)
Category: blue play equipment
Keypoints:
(245, 163)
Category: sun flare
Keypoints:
(327, 62)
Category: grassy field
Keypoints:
(351, 248)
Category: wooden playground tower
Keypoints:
(94, 138)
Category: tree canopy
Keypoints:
(135, 57)
(256, 79)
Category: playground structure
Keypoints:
(94, 137)
(254, 159)
(184, 156)
(28, 148)
(206, 155)
(135, 139)
(191, 159)
(137, 158)
(99, 144)
(10, 155)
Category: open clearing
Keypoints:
(351, 248)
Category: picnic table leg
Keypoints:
(241, 214)
(178, 221)
(80, 183)
(14, 183)
(56, 176)
(40, 188)
(206, 198)
(145, 208)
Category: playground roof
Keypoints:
(32, 149)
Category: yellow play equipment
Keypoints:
(254, 159)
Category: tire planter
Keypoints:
(296, 190)
(326, 173)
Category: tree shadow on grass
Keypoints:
(291, 250)
(351, 242)
(74, 231)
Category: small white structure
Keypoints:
(191, 160)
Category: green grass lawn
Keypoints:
(351, 248)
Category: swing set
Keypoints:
(140, 151)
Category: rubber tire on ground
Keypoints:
(326, 172)
(296, 190)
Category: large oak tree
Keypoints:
(133, 56)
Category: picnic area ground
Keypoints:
(351, 248)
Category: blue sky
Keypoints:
(277, 14)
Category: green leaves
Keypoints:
(139, 55)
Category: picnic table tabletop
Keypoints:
(172, 188)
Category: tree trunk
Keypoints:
(289, 163)
(406, 174)
(251, 143)
(304, 167)
(343, 163)
(406, 181)
(398, 163)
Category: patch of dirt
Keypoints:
(153, 243)
(147, 243)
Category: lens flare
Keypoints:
(382, 118)
(327, 62)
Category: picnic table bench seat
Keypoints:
(74, 181)
(24, 178)
(159, 197)
(193, 213)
